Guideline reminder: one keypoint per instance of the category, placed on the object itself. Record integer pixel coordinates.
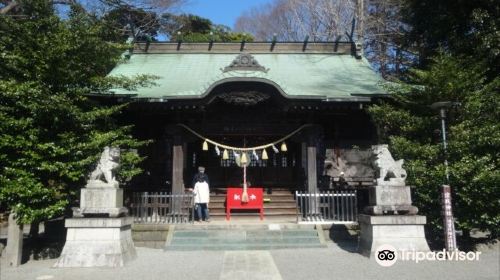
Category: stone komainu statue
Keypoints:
(105, 168)
(386, 168)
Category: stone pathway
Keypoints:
(258, 265)
(288, 264)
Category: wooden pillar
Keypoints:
(309, 157)
(312, 180)
(303, 153)
(178, 166)
(312, 139)
(312, 174)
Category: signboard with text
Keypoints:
(449, 225)
(255, 200)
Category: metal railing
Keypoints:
(327, 206)
(162, 208)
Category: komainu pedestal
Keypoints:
(100, 200)
(98, 242)
(390, 199)
(405, 233)
(100, 234)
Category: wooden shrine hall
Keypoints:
(251, 94)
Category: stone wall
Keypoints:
(150, 235)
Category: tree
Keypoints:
(457, 59)
(192, 28)
(293, 20)
(139, 24)
(51, 133)
(13, 6)
(137, 19)
(410, 126)
(383, 38)
(453, 50)
(125, 18)
(378, 26)
(458, 26)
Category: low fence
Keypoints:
(327, 206)
(162, 208)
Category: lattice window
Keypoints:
(228, 162)
(257, 163)
(284, 161)
(253, 161)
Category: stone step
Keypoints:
(273, 190)
(239, 234)
(281, 206)
(247, 241)
(271, 198)
(267, 212)
(247, 227)
(229, 247)
(271, 201)
(251, 218)
(267, 208)
(265, 191)
(243, 237)
(272, 204)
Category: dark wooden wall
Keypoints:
(340, 124)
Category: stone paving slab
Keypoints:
(332, 262)
(258, 265)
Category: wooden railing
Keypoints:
(162, 208)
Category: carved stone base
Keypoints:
(98, 242)
(101, 201)
(391, 209)
(402, 232)
(108, 212)
(390, 195)
(390, 199)
(97, 184)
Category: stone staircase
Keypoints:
(243, 237)
(281, 206)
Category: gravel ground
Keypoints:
(323, 263)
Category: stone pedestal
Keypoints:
(390, 198)
(97, 242)
(402, 232)
(100, 200)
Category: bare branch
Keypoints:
(379, 26)
(8, 7)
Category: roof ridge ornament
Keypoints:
(245, 62)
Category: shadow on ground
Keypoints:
(344, 236)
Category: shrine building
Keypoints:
(251, 94)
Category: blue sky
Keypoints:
(220, 11)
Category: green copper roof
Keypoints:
(193, 75)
